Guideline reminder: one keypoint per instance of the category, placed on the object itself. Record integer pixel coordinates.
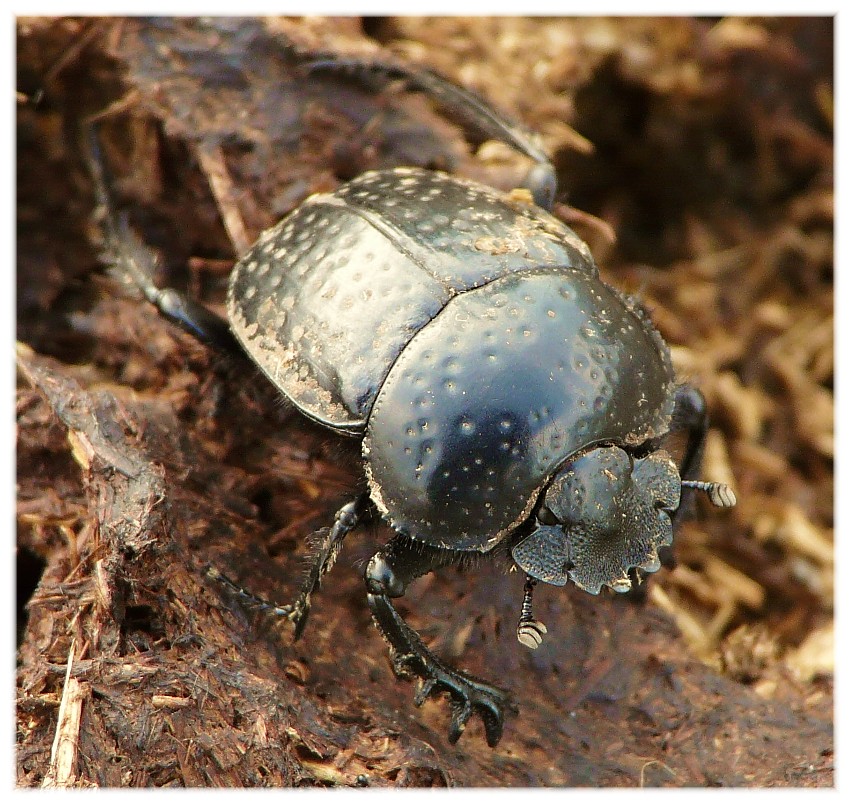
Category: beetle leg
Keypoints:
(249, 599)
(136, 263)
(190, 315)
(346, 520)
(690, 414)
(460, 103)
(387, 575)
(529, 631)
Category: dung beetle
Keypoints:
(508, 401)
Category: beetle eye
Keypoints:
(546, 517)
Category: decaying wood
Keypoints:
(142, 458)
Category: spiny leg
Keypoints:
(249, 599)
(135, 262)
(459, 103)
(388, 574)
(347, 519)
(322, 560)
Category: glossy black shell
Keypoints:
(467, 335)
(327, 299)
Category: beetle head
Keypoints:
(604, 513)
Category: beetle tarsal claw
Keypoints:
(423, 691)
(460, 717)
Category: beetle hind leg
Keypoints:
(460, 104)
(387, 575)
(135, 263)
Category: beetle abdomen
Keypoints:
(326, 301)
(498, 390)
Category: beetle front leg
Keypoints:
(690, 414)
(387, 575)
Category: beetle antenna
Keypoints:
(719, 494)
(529, 631)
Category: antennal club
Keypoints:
(719, 494)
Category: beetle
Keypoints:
(507, 400)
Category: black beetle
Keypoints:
(504, 394)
